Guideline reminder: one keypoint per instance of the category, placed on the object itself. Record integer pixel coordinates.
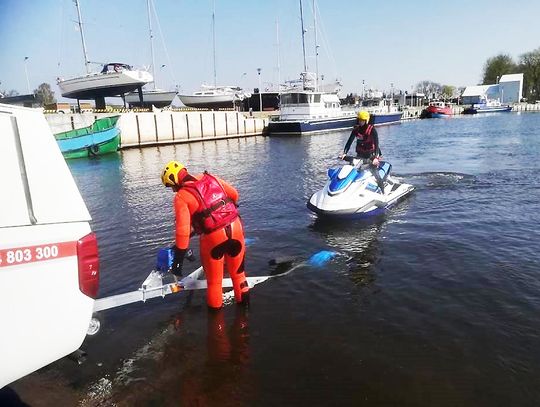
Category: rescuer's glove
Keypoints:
(189, 255)
(178, 261)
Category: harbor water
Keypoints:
(435, 303)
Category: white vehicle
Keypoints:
(49, 265)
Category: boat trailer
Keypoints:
(154, 286)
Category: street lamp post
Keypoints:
(26, 73)
(363, 89)
(260, 89)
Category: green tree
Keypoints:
(448, 92)
(529, 64)
(497, 66)
(7, 93)
(44, 94)
(432, 90)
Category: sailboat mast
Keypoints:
(86, 61)
(151, 41)
(214, 40)
(316, 47)
(303, 33)
(278, 58)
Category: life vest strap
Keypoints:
(206, 212)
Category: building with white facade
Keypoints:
(511, 88)
(508, 90)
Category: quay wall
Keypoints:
(526, 107)
(166, 127)
(143, 128)
(414, 112)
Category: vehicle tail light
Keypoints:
(88, 257)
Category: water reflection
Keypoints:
(359, 240)
(224, 377)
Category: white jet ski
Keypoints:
(352, 191)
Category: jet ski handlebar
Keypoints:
(357, 162)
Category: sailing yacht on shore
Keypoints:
(214, 97)
(114, 79)
(151, 97)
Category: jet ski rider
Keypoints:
(208, 205)
(367, 145)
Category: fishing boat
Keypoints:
(437, 108)
(101, 137)
(214, 96)
(154, 96)
(381, 110)
(114, 79)
(487, 106)
(305, 109)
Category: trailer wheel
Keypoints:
(95, 325)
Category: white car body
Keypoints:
(48, 254)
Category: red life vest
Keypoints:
(216, 209)
(365, 142)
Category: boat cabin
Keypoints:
(378, 106)
(299, 105)
(115, 67)
(439, 104)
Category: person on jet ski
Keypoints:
(367, 145)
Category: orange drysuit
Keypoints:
(222, 246)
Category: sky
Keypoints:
(385, 44)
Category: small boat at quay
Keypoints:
(306, 109)
(487, 106)
(152, 97)
(214, 97)
(307, 112)
(101, 137)
(381, 110)
(436, 109)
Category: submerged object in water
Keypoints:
(321, 258)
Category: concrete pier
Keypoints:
(414, 112)
(167, 127)
(143, 128)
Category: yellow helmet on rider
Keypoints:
(363, 115)
(173, 174)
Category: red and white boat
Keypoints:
(437, 108)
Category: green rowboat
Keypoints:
(102, 137)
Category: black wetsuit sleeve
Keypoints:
(375, 136)
(349, 142)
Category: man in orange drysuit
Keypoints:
(208, 204)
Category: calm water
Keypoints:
(434, 304)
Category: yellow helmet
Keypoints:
(171, 174)
(363, 115)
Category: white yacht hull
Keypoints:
(158, 98)
(107, 84)
(209, 101)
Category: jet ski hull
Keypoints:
(358, 198)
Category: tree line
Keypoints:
(527, 63)
(43, 93)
